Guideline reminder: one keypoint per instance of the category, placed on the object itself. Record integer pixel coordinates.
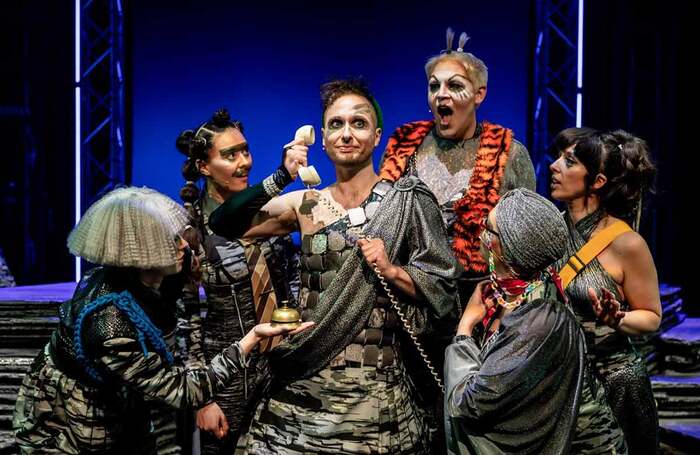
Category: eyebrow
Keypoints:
(233, 149)
(365, 111)
(433, 77)
(364, 107)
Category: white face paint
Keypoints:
(446, 84)
(452, 98)
(350, 131)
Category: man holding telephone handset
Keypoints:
(376, 266)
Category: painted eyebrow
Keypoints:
(233, 149)
(433, 78)
(365, 110)
(333, 119)
(364, 107)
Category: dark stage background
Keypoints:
(265, 62)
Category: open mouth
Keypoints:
(445, 114)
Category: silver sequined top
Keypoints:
(446, 166)
(605, 345)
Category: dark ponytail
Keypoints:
(624, 160)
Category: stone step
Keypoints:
(677, 395)
(680, 346)
(672, 315)
(684, 383)
(6, 412)
(8, 398)
(686, 334)
(682, 435)
(7, 443)
(669, 292)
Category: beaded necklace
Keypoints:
(511, 292)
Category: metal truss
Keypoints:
(557, 78)
(100, 153)
(101, 97)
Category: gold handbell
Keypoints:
(286, 316)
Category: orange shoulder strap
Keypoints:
(590, 250)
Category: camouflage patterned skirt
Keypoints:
(56, 414)
(352, 410)
(597, 431)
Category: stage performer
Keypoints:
(466, 164)
(93, 388)
(602, 177)
(524, 387)
(244, 280)
(343, 388)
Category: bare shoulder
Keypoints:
(294, 198)
(630, 245)
(284, 203)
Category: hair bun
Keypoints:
(184, 142)
(221, 118)
(198, 142)
(189, 193)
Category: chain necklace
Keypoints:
(517, 296)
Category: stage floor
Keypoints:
(45, 293)
(56, 292)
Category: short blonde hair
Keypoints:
(477, 72)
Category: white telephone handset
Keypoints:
(308, 175)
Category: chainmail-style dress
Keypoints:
(611, 355)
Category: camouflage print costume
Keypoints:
(612, 357)
(63, 408)
(231, 313)
(362, 400)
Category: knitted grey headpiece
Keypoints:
(532, 231)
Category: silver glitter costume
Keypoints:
(612, 356)
(446, 166)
